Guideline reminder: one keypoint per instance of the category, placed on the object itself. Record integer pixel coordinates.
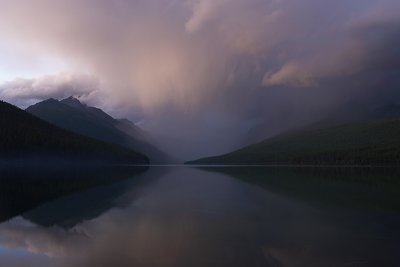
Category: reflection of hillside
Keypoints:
(24, 189)
(190, 217)
(78, 207)
(372, 188)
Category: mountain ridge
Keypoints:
(364, 143)
(25, 137)
(72, 115)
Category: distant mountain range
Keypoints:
(24, 137)
(72, 115)
(374, 142)
(69, 129)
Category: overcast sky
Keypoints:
(202, 73)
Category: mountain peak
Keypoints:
(47, 102)
(72, 101)
(50, 100)
(80, 118)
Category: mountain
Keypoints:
(363, 143)
(74, 116)
(344, 114)
(348, 115)
(25, 137)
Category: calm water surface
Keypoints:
(181, 216)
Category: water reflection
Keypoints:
(370, 188)
(189, 217)
(22, 189)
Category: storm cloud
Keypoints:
(203, 73)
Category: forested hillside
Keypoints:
(367, 143)
(72, 115)
(25, 137)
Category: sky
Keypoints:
(203, 77)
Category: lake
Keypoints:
(210, 216)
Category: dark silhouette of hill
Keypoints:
(74, 116)
(345, 114)
(24, 137)
(362, 143)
